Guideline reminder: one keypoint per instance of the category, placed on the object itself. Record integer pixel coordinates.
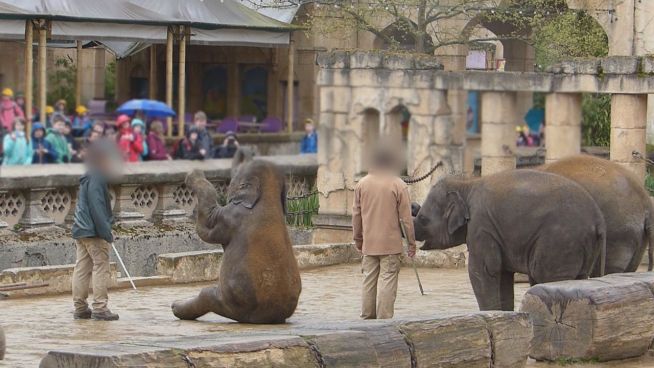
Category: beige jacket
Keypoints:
(380, 201)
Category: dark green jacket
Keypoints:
(93, 217)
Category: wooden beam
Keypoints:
(153, 73)
(181, 93)
(78, 76)
(290, 86)
(43, 39)
(169, 77)
(29, 75)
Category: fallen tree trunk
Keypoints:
(606, 318)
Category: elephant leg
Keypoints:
(506, 291)
(485, 271)
(198, 306)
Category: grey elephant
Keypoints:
(259, 278)
(624, 202)
(526, 221)
(2, 344)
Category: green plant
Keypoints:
(569, 361)
(596, 126)
(649, 184)
(61, 82)
(301, 210)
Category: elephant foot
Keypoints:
(188, 309)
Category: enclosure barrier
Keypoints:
(148, 192)
(606, 318)
(491, 339)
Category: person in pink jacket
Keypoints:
(9, 109)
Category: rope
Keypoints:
(303, 196)
(410, 180)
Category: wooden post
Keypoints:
(29, 74)
(181, 93)
(43, 39)
(78, 76)
(169, 77)
(290, 86)
(153, 73)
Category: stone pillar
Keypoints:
(34, 215)
(628, 122)
(125, 212)
(167, 208)
(498, 136)
(563, 128)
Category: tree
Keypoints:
(423, 26)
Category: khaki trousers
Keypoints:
(92, 261)
(379, 286)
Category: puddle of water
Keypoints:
(37, 325)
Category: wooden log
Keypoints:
(43, 77)
(379, 347)
(606, 318)
(169, 78)
(2, 344)
(29, 74)
(461, 341)
(181, 94)
(510, 335)
(78, 75)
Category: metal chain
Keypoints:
(409, 180)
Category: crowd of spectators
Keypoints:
(66, 139)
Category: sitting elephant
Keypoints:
(624, 202)
(259, 278)
(526, 221)
(2, 344)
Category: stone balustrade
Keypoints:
(45, 195)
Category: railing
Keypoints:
(45, 195)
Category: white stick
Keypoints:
(123, 265)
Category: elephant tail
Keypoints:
(601, 239)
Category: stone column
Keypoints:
(498, 136)
(167, 208)
(125, 212)
(34, 215)
(563, 127)
(628, 122)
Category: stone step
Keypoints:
(123, 282)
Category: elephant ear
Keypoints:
(247, 193)
(457, 213)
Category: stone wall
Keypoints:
(362, 98)
(148, 192)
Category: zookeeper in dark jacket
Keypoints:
(92, 232)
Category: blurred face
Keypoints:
(110, 133)
(201, 123)
(308, 128)
(38, 133)
(66, 129)
(20, 100)
(137, 129)
(59, 126)
(193, 137)
(98, 129)
(94, 136)
(19, 127)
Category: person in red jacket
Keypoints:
(156, 143)
(130, 144)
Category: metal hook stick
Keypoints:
(413, 262)
(123, 265)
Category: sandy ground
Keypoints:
(37, 325)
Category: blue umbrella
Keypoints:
(150, 108)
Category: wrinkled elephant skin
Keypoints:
(624, 202)
(527, 221)
(259, 279)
